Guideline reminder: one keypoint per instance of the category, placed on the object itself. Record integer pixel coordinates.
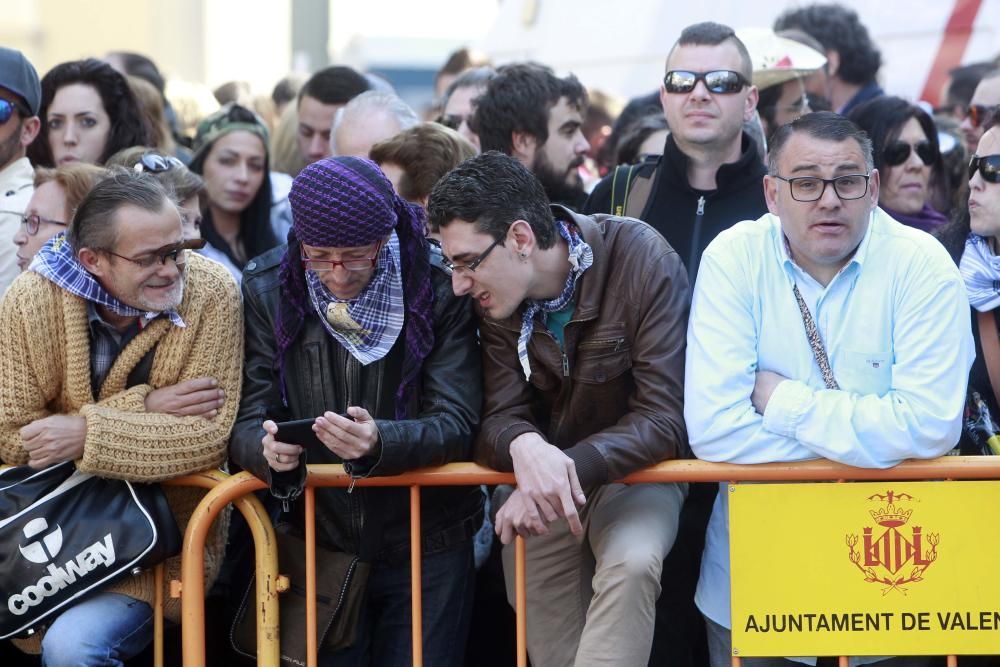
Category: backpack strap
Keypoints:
(621, 183)
(990, 341)
(638, 196)
(632, 186)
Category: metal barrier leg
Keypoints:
(416, 579)
(233, 490)
(520, 602)
(158, 616)
(844, 661)
(737, 661)
(952, 661)
(311, 649)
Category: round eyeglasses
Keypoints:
(33, 221)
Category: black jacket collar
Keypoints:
(730, 176)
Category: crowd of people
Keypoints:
(768, 259)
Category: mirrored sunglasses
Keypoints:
(7, 109)
(978, 113)
(988, 167)
(154, 163)
(719, 81)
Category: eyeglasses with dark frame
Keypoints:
(33, 222)
(812, 188)
(988, 167)
(176, 252)
(718, 81)
(325, 265)
(474, 264)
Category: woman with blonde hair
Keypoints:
(58, 193)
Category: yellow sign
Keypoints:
(887, 568)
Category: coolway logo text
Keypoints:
(97, 554)
(893, 558)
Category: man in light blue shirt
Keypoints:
(883, 378)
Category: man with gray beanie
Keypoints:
(20, 95)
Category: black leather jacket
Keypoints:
(321, 375)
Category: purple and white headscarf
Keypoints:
(347, 202)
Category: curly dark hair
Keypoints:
(494, 190)
(838, 29)
(518, 99)
(128, 123)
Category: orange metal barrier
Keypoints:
(266, 552)
(469, 474)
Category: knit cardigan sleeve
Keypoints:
(29, 363)
(44, 364)
(136, 445)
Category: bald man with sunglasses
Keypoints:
(709, 175)
(20, 95)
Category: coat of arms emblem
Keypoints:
(889, 555)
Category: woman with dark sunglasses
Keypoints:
(907, 155)
(980, 267)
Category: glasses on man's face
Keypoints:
(175, 252)
(718, 81)
(977, 113)
(474, 264)
(988, 167)
(33, 222)
(351, 264)
(7, 109)
(898, 152)
(812, 188)
(154, 163)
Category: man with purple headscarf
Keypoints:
(354, 325)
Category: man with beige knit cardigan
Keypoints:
(123, 352)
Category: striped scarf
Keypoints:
(581, 256)
(369, 324)
(57, 262)
(980, 270)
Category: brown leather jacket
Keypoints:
(613, 401)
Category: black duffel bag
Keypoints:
(65, 534)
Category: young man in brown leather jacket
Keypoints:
(583, 341)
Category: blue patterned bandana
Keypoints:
(57, 262)
(581, 256)
(369, 324)
(981, 272)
